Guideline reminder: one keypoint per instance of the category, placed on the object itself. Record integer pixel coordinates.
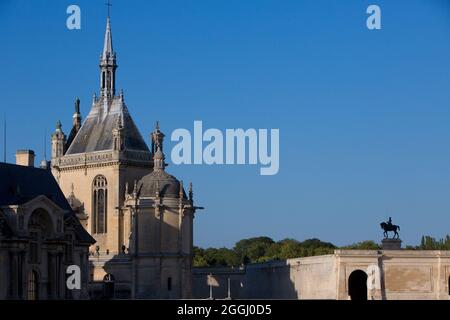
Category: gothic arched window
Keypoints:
(32, 286)
(99, 204)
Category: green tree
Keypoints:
(363, 245)
(199, 258)
(316, 243)
(252, 248)
(221, 257)
(261, 249)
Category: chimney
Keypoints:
(25, 158)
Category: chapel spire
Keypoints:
(107, 46)
(108, 65)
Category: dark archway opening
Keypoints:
(357, 285)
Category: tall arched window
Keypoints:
(32, 287)
(99, 204)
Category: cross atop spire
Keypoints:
(109, 5)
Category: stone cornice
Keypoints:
(102, 159)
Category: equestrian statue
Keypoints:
(388, 226)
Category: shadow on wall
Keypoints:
(273, 280)
(115, 284)
(152, 266)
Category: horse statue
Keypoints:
(390, 227)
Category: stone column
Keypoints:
(23, 276)
(51, 275)
(14, 280)
(5, 277)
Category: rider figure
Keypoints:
(389, 223)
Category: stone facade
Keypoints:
(139, 215)
(344, 275)
(40, 237)
(76, 180)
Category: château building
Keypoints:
(40, 236)
(139, 215)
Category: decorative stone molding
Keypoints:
(102, 158)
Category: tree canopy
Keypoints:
(429, 243)
(261, 249)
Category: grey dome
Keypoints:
(167, 184)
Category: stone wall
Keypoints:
(307, 278)
(392, 275)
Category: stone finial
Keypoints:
(58, 125)
(126, 189)
(191, 192)
(157, 189)
(118, 141)
(135, 189)
(77, 105)
(77, 115)
(157, 138)
(159, 160)
(119, 122)
(181, 193)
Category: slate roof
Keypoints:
(96, 132)
(71, 137)
(159, 180)
(20, 184)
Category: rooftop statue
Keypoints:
(388, 226)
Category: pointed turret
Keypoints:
(58, 141)
(157, 138)
(108, 65)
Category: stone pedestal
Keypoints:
(391, 244)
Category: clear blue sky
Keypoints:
(364, 116)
